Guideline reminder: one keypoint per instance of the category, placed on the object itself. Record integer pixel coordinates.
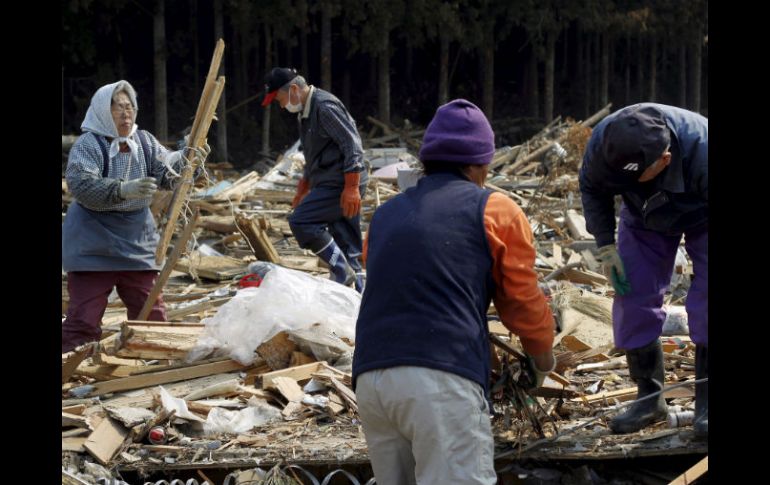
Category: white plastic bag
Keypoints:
(286, 300)
(256, 414)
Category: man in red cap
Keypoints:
(326, 216)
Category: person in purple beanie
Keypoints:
(656, 157)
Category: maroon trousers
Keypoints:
(89, 290)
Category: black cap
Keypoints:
(635, 139)
(274, 80)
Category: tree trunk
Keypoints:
(578, 97)
(193, 22)
(587, 104)
(219, 33)
(326, 46)
(443, 73)
(488, 70)
(303, 51)
(653, 70)
(346, 85)
(409, 62)
(550, 61)
(597, 75)
(604, 90)
(534, 84)
(682, 95)
(159, 65)
(627, 72)
(639, 64)
(266, 110)
(383, 75)
(697, 57)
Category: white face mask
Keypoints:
(293, 108)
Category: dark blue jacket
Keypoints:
(429, 282)
(675, 200)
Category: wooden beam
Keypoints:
(160, 282)
(157, 341)
(164, 377)
(299, 373)
(289, 388)
(693, 473)
(212, 91)
(257, 238)
(71, 360)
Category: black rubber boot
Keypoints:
(646, 368)
(701, 424)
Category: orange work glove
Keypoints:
(303, 187)
(350, 200)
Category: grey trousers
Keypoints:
(425, 426)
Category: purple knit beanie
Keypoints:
(459, 132)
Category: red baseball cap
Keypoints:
(274, 80)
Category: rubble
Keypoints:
(291, 401)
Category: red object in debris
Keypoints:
(157, 435)
(252, 280)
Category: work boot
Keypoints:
(645, 365)
(339, 269)
(701, 424)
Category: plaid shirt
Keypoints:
(85, 167)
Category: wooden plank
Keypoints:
(629, 394)
(584, 277)
(239, 188)
(289, 388)
(299, 374)
(75, 444)
(693, 473)
(157, 341)
(76, 409)
(576, 224)
(347, 394)
(68, 420)
(217, 268)
(145, 397)
(498, 328)
(106, 440)
(557, 254)
(224, 224)
(71, 360)
(164, 377)
(257, 238)
(197, 308)
(212, 90)
(160, 282)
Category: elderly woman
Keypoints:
(109, 236)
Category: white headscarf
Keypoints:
(99, 118)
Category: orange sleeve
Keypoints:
(365, 250)
(519, 301)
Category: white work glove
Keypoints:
(534, 377)
(142, 188)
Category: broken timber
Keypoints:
(209, 100)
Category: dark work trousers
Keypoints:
(318, 219)
(88, 293)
